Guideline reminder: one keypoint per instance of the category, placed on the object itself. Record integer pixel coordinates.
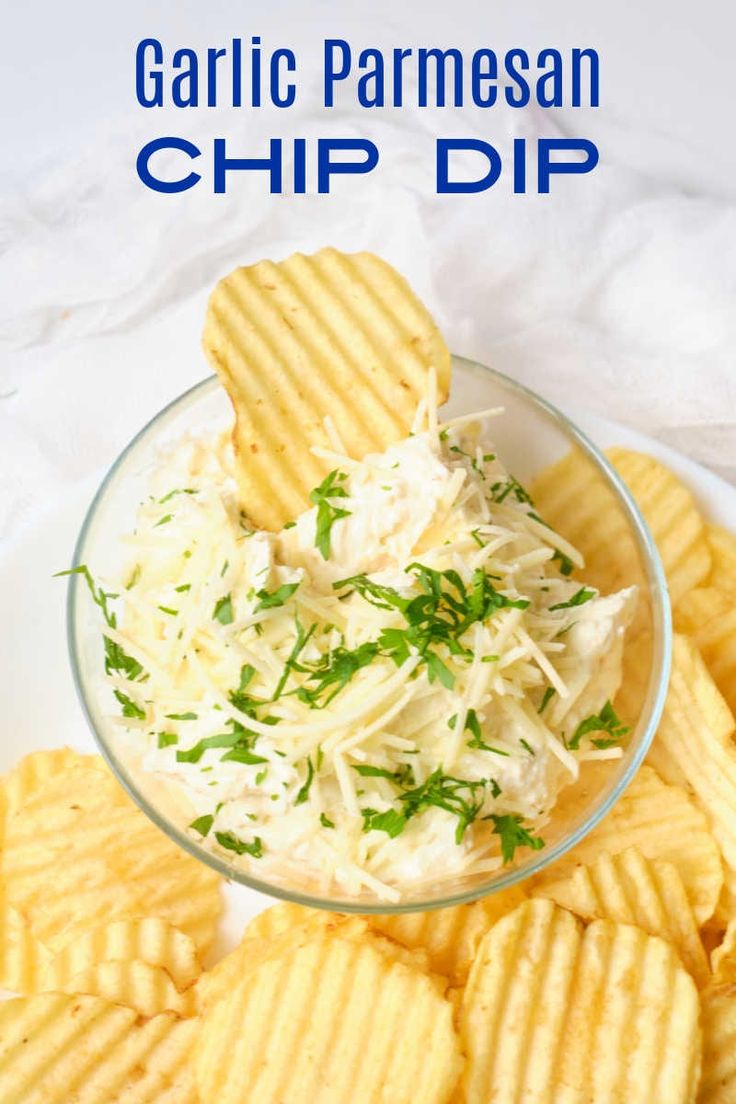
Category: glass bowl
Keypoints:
(530, 437)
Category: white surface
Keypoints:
(40, 708)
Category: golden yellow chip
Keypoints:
(708, 615)
(329, 335)
(330, 1021)
(32, 771)
(138, 985)
(672, 516)
(450, 936)
(694, 747)
(718, 1082)
(723, 957)
(78, 853)
(278, 918)
(150, 940)
(663, 822)
(631, 889)
(23, 959)
(59, 1049)
(552, 1014)
(723, 553)
(257, 948)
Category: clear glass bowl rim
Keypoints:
(662, 656)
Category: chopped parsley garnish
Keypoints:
(231, 843)
(183, 588)
(404, 776)
(526, 746)
(566, 565)
(117, 659)
(462, 798)
(440, 615)
(500, 491)
(223, 611)
(272, 599)
(391, 822)
(334, 669)
(172, 494)
(171, 612)
(203, 824)
(239, 739)
(549, 693)
(327, 513)
(241, 754)
(605, 721)
(164, 520)
(303, 794)
(513, 834)
(578, 599)
(472, 725)
(289, 525)
(181, 716)
(477, 538)
(134, 577)
(325, 821)
(130, 709)
(166, 739)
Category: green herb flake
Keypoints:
(566, 565)
(549, 693)
(513, 834)
(303, 793)
(391, 822)
(274, 598)
(605, 721)
(166, 739)
(164, 520)
(129, 707)
(327, 513)
(203, 824)
(181, 716)
(223, 611)
(231, 843)
(578, 599)
(168, 610)
(325, 821)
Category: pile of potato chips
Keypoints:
(611, 977)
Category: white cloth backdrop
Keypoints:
(613, 293)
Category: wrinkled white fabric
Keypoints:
(612, 293)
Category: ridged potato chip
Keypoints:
(328, 335)
(723, 554)
(150, 940)
(631, 889)
(79, 853)
(138, 985)
(693, 746)
(672, 515)
(573, 497)
(723, 957)
(30, 772)
(256, 948)
(718, 1083)
(708, 615)
(59, 1049)
(554, 1014)
(330, 1021)
(23, 959)
(450, 936)
(663, 822)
